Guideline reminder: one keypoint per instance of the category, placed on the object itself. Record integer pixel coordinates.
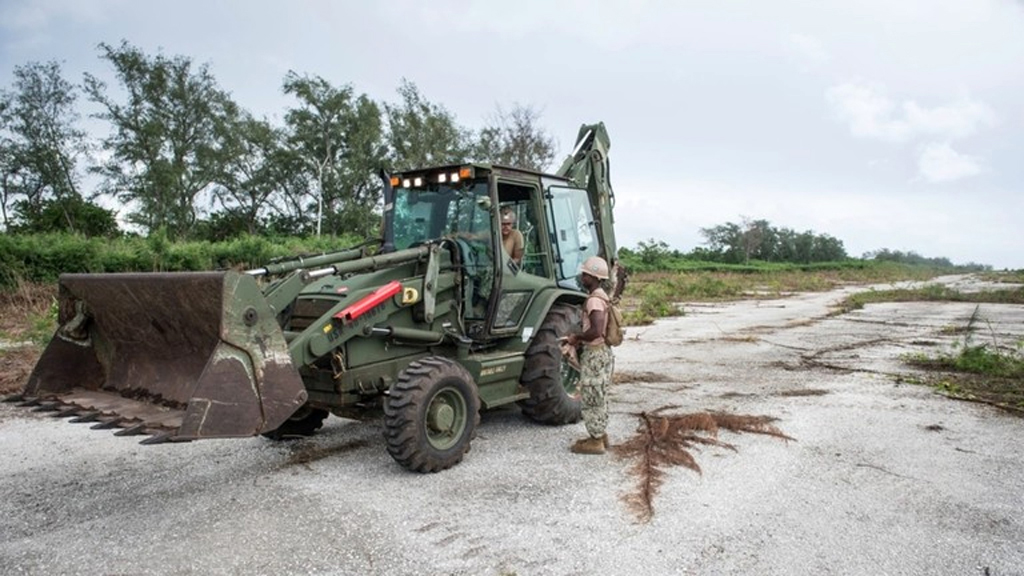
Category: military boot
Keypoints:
(588, 445)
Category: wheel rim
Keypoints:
(446, 418)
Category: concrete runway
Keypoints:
(884, 476)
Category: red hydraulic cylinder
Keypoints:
(368, 302)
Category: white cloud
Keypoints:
(870, 113)
(940, 163)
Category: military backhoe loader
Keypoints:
(434, 325)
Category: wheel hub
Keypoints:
(441, 417)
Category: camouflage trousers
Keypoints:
(596, 365)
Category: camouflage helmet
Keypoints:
(596, 267)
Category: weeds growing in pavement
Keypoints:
(930, 293)
(653, 295)
(989, 372)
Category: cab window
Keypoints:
(573, 233)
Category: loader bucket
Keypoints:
(181, 356)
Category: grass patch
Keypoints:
(650, 301)
(1006, 276)
(1005, 393)
(28, 319)
(988, 372)
(28, 312)
(653, 295)
(15, 366)
(930, 293)
(42, 325)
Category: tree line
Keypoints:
(182, 156)
(758, 241)
(741, 242)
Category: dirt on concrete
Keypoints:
(886, 476)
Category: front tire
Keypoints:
(548, 377)
(431, 414)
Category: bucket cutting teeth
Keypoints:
(102, 420)
(106, 424)
(132, 430)
(67, 411)
(157, 439)
(86, 417)
(85, 409)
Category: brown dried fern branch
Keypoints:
(664, 440)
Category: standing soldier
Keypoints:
(596, 360)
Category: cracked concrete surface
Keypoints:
(884, 477)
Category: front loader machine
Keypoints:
(436, 325)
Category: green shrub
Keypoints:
(44, 257)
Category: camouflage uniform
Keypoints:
(596, 364)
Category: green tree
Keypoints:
(911, 257)
(785, 245)
(759, 240)
(247, 188)
(803, 244)
(166, 145)
(421, 133)
(41, 144)
(756, 239)
(828, 249)
(54, 214)
(338, 138)
(293, 213)
(653, 253)
(514, 138)
(726, 241)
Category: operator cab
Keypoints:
(461, 207)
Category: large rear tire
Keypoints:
(431, 414)
(549, 378)
(305, 422)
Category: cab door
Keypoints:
(519, 281)
(573, 232)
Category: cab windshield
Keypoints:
(440, 210)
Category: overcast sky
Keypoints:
(886, 123)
